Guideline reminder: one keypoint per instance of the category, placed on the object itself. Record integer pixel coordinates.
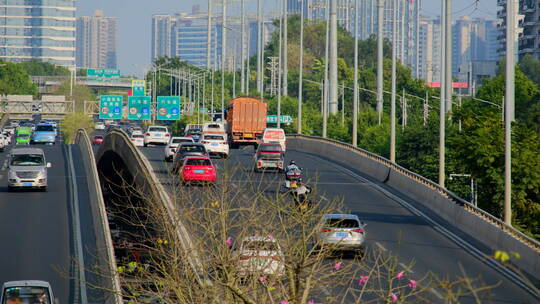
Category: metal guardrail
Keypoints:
(518, 235)
(83, 140)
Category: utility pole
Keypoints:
(301, 75)
(380, 67)
(325, 103)
(285, 48)
(259, 47)
(442, 106)
(333, 85)
(448, 56)
(223, 56)
(209, 36)
(243, 49)
(280, 66)
(393, 98)
(509, 108)
(355, 97)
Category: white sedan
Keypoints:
(216, 144)
(137, 140)
(172, 146)
(156, 135)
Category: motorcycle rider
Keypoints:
(292, 166)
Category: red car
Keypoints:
(97, 140)
(198, 169)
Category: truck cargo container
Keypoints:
(246, 121)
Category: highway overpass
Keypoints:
(56, 236)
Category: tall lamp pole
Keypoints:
(285, 48)
(209, 37)
(442, 105)
(355, 98)
(301, 75)
(509, 108)
(333, 76)
(380, 67)
(223, 56)
(393, 98)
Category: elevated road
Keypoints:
(396, 224)
(41, 235)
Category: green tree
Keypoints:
(15, 80)
(531, 67)
(73, 122)
(80, 94)
(39, 68)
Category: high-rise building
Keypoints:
(408, 22)
(162, 37)
(529, 42)
(96, 41)
(429, 52)
(501, 14)
(38, 30)
(473, 40)
(185, 36)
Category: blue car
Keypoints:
(44, 134)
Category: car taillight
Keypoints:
(244, 257)
(259, 163)
(167, 135)
(133, 139)
(147, 134)
(204, 142)
(325, 230)
(224, 142)
(358, 231)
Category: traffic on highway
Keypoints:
(201, 157)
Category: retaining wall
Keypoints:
(476, 223)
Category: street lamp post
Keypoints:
(393, 97)
(355, 98)
(301, 74)
(509, 108)
(380, 67)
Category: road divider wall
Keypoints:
(140, 168)
(481, 226)
(98, 212)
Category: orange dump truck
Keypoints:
(246, 121)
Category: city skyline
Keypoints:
(134, 24)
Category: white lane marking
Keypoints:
(381, 247)
(436, 293)
(406, 268)
(493, 264)
(77, 228)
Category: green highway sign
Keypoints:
(138, 87)
(110, 107)
(139, 107)
(102, 74)
(168, 108)
(282, 119)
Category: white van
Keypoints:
(275, 135)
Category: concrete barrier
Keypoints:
(98, 211)
(140, 168)
(481, 226)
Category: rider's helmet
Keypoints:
(292, 163)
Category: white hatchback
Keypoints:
(156, 135)
(172, 146)
(216, 144)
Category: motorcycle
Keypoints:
(293, 176)
(300, 192)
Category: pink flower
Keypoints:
(412, 283)
(363, 280)
(228, 242)
(262, 278)
(311, 302)
(393, 297)
(400, 275)
(337, 266)
(284, 302)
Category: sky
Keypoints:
(135, 21)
